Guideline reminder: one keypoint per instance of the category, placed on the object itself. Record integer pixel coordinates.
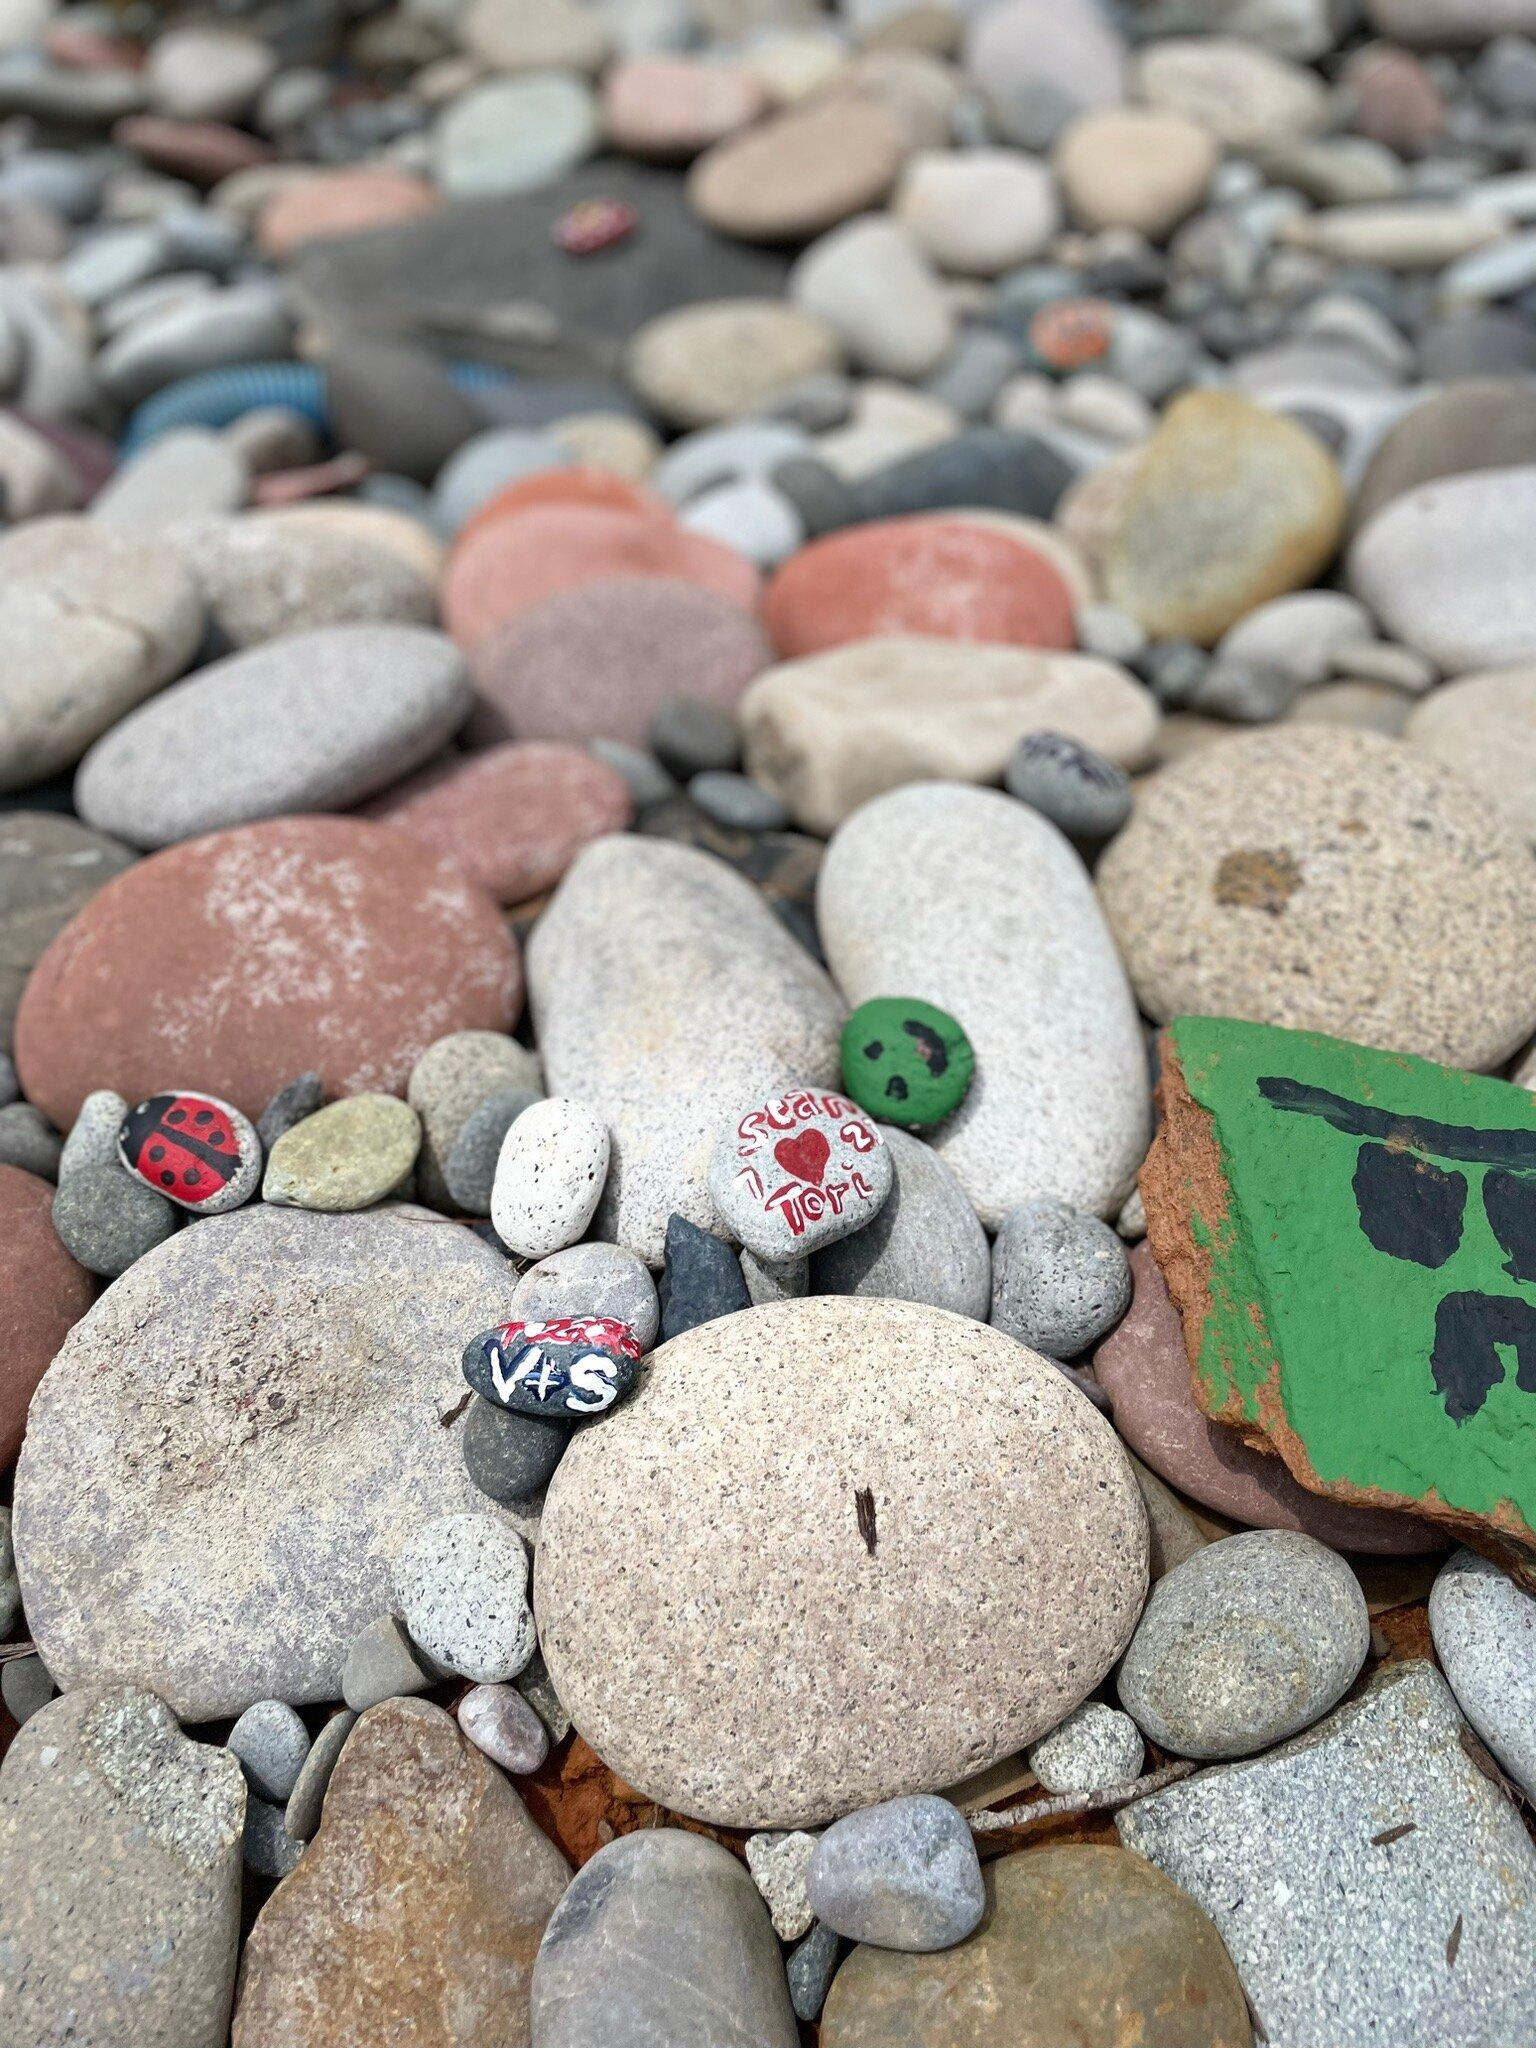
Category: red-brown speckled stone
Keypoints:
(233, 962)
(43, 1293)
(514, 817)
(951, 578)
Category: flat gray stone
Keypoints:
(1250, 1640)
(591, 1280)
(904, 1875)
(1484, 1628)
(661, 1937)
(1095, 1746)
(108, 1219)
(924, 1245)
(510, 1457)
(461, 1589)
(1369, 1882)
(381, 1666)
(270, 1743)
(216, 1519)
(29, 1141)
(119, 1878)
(311, 722)
(301, 1816)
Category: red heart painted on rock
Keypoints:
(805, 1157)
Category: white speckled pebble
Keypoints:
(461, 1588)
(1484, 1628)
(549, 1178)
(778, 1863)
(1095, 1746)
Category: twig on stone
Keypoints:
(10, 1651)
(1123, 1794)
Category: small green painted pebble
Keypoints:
(906, 1061)
(347, 1156)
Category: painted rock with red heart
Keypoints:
(799, 1172)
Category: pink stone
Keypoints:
(502, 1725)
(506, 565)
(43, 1293)
(341, 203)
(604, 657)
(1143, 1368)
(514, 817)
(670, 108)
(942, 576)
(201, 151)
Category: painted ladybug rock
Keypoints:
(799, 1172)
(565, 1370)
(199, 1151)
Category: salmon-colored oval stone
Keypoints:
(511, 563)
(670, 108)
(341, 203)
(43, 1293)
(233, 962)
(948, 578)
(593, 487)
(604, 657)
(514, 817)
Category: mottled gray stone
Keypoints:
(26, 1687)
(380, 1666)
(108, 1219)
(267, 1847)
(924, 1245)
(1369, 1882)
(649, 783)
(688, 736)
(591, 1280)
(778, 1861)
(736, 802)
(460, 1587)
(119, 1878)
(450, 1080)
(1060, 1279)
(216, 1519)
(510, 1458)
(470, 1171)
(301, 1816)
(270, 1743)
(10, 1589)
(1484, 1628)
(661, 1937)
(774, 1279)
(29, 1141)
(1095, 1746)
(809, 1970)
(92, 1139)
(293, 1102)
(1247, 1642)
(904, 1875)
(1081, 793)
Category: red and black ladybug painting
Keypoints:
(200, 1152)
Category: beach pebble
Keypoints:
(347, 1156)
(469, 1173)
(1328, 880)
(119, 1874)
(108, 1218)
(702, 365)
(501, 1724)
(1483, 1626)
(271, 1743)
(620, 1961)
(365, 948)
(925, 1244)
(301, 1816)
(10, 1589)
(686, 1637)
(294, 1101)
(266, 1847)
(309, 722)
(302, 568)
(809, 1969)
(1437, 566)
(1082, 793)
(778, 1862)
(50, 867)
(873, 286)
(798, 1172)
(1246, 96)
(800, 173)
(380, 1666)
(690, 735)
(1038, 62)
(965, 942)
(514, 134)
(977, 211)
(671, 107)
(1060, 1279)
(902, 1875)
(25, 1687)
(29, 1141)
(1095, 1746)
(591, 1280)
(510, 1457)
(92, 1139)
(1249, 1641)
(452, 1079)
(701, 1280)
(549, 1176)
(460, 1588)
(1134, 167)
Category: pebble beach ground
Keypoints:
(768, 1024)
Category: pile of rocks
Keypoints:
(650, 643)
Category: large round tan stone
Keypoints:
(800, 173)
(1328, 880)
(834, 1550)
(1229, 506)
(1081, 1945)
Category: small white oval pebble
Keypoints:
(549, 1177)
(461, 1588)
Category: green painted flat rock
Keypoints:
(345, 1157)
(1350, 1237)
(906, 1061)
